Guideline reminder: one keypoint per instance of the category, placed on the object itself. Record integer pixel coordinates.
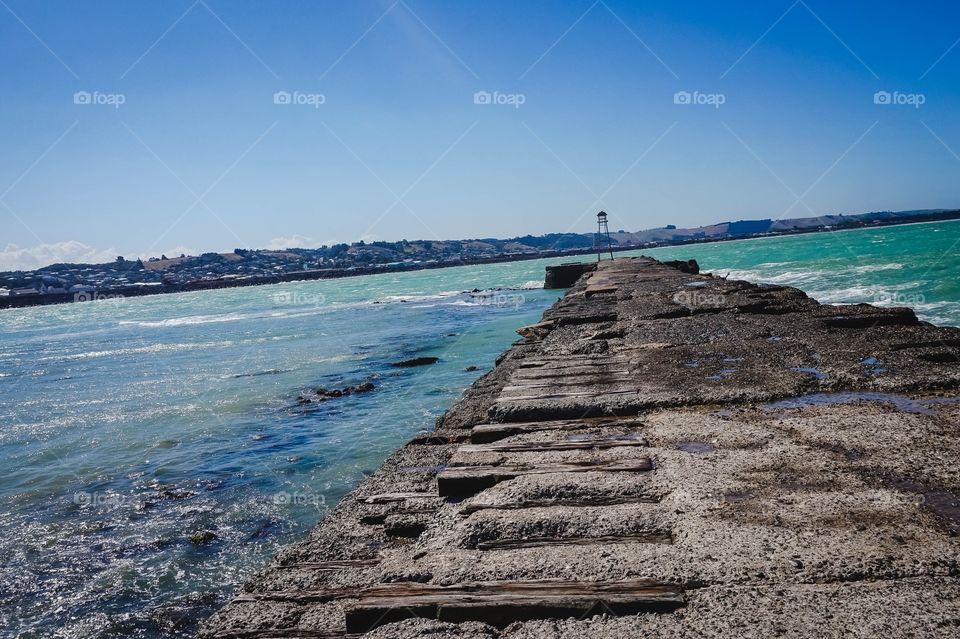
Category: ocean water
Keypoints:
(915, 265)
(128, 427)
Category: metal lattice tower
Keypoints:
(603, 236)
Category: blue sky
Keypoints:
(141, 128)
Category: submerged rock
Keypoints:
(203, 537)
(323, 394)
(416, 361)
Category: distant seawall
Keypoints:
(664, 454)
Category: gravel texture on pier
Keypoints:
(804, 477)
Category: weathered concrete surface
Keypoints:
(834, 514)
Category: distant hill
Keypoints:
(749, 228)
(257, 265)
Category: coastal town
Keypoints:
(59, 283)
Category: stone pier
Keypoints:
(665, 454)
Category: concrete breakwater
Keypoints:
(664, 454)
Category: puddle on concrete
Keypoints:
(875, 363)
(813, 371)
(900, 402)
(947, 506)
(775, 338)
(697, 448)
(938, 401)
(944, 504)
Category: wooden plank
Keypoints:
(582, 375)
(386, 498)
(464, 481)
(579, 502)
(584, 370)
(377, 519)
(487, 433)
(561, 383)
(594, 389)
(568, 371)
(280, 633)
(502, 603)
(592, 393)
(537, 447)
(597, 357)
(585, 374)
(648, 537)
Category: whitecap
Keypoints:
(870, 268)
(419, 297)
(140, 350)
(190, 320)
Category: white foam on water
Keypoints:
(418, 297)
(787, 277)
(531, 285)
(870, 268)
(190, 320)
(153, 348)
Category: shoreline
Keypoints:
(46, 299)
(630, 448)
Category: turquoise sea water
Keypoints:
(128, 426)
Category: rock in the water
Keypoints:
(416, 361)
(690, 266)
(202, 537)
(470, 369)
(324, 394)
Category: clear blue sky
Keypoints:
(200, 157)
